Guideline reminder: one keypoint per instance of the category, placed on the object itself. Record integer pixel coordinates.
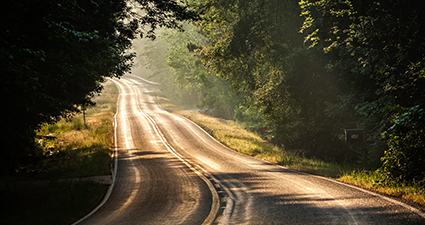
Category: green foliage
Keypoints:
(378, 48)
(256, 45)
(405, 160)
(249, 40)
(55, 55)
(38, 196)
(53, 59)
(174, 58)
(153, 56)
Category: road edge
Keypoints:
(377, 194)
(113, 170)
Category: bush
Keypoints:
(405, 158)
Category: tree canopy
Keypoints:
(258, 47)
(55, 55)
(343, 64)
(379, 53)
(300, 80)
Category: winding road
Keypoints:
(170, 171)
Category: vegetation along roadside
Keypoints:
(236, 137)
(302, 82)
(49, 190)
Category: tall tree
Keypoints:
(216, 95)
(257, 46)
(379, 48)
(55, 55)
(174, 58)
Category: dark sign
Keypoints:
(354, 136)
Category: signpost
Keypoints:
(358, 138)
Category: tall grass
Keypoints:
(81, 148)
(372, 180)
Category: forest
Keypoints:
(299, 73)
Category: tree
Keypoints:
(55, 55)
(379, 49)
(249, 45)
(216, 95)
(176, 63)
(257, 46)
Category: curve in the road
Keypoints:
(215, 198)
(260, 192)
(254, 191)
(137, 174)
(389, 199)
(113, 172)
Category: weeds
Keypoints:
(80, 149)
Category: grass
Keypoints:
(44, 194)
(371, 180)
(81, 149)
(236, 137)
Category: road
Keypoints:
(170, 171)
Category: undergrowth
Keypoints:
(41, 192)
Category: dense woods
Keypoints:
(56, 54)
(302, 72)
(298, 73)
(378, 53)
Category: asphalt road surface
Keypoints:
(170, 171)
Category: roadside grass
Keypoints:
(371, 180)
(81, 149)
(44, 194)
(237, 138)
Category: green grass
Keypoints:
(78, 151)
(371, 180)
(82, 148)
(42, 193)
(236, 137)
